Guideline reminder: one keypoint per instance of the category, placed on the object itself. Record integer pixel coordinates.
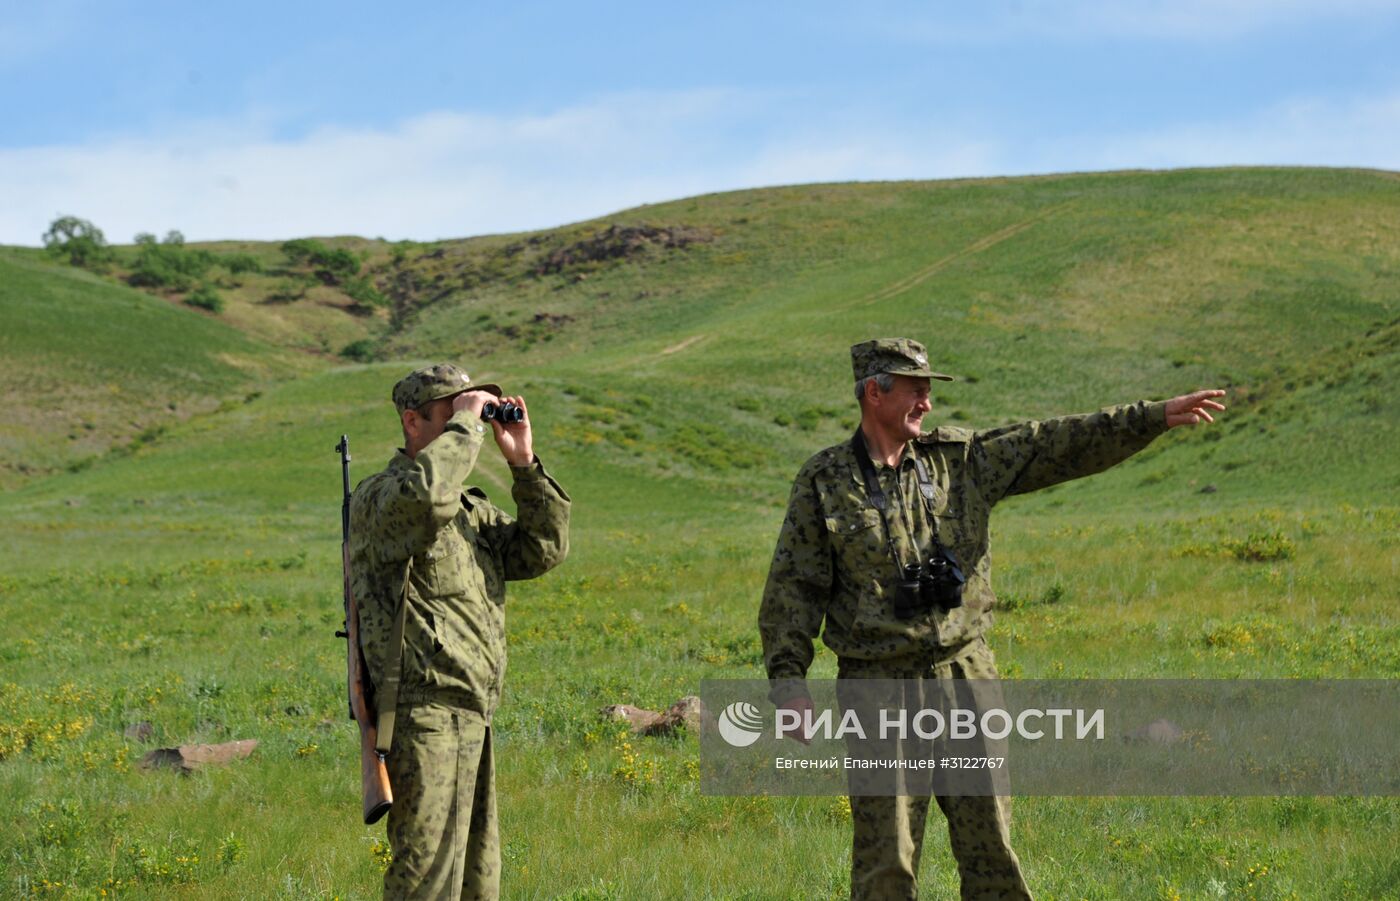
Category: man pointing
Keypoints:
(895, 504)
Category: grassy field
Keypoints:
(190, 578)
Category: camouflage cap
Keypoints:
(897, 356)
(421, 386)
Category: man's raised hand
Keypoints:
(471, 401)
(514, 438)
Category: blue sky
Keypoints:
(276, 120)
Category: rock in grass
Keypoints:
(687, 713)
(640, 720)
(188, 758)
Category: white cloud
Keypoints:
(453, 174)
(449, 174)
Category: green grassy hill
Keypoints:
(681, 360)
(86, 366)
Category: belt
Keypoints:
(910, 665)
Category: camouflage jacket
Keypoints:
(832, 561)
(463, 550)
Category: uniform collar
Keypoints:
(906, 459)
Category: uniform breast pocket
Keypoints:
(858, 539)
(449, 569)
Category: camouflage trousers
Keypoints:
(888, 831)
(442, 827)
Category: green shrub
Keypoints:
(362, 351)
(1257, 547)
(1261, 547)
(364, 291)
(153, 270)
(336, 266)
(206, 298)
(239, 263)
(330, 266)
(168, 264)
(303, 250)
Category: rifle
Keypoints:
(374, 776)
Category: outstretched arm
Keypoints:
(1033, 455)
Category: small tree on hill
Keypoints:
(78, 239)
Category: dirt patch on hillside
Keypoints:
(619, 242)
(539, 324)
(413, 282)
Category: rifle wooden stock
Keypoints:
(374, 776)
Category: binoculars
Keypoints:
(504, 412)
(922, 586)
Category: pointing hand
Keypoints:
(1190, 409)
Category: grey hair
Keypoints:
(883, 380)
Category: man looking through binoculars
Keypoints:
(429, 559)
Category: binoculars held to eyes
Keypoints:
(505, 412)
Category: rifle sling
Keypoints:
(393, 668)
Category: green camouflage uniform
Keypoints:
(832, 564)
(462, 549)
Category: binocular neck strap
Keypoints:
(867, 471)
(877, 494)
(872, 483)
(925, 483)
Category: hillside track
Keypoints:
(677, 348)
(984, 243)
(633, 360)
